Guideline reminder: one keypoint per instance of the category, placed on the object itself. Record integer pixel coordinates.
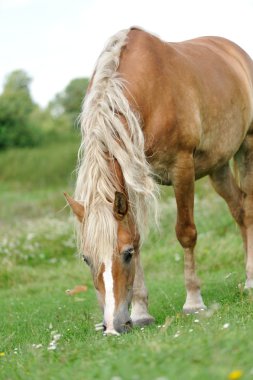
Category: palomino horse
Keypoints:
(168, 113)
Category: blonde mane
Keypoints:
(104, 137)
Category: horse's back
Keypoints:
(195, 94)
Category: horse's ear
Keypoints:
(77, 207)
(120, 206)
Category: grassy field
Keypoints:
(38, 262)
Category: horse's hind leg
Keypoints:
(226, 186)
(244, 160)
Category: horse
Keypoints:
(159, 113)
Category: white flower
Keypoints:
(37, 345)
(53, 343)
(177, 257)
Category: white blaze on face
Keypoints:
(109, 298)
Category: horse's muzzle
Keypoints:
(119, 328)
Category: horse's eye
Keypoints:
(85, 259)
(128, 254)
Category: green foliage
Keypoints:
(74, 94)
(18, 81)
(69, 101)
(23, 123)
(16, 107)
(52, 128)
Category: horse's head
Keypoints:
(114, 277)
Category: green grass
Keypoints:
(38, 263)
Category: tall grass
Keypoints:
(47, 166)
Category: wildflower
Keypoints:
(53, 343)
(2, 354)
(234, 375)
(37, 345)
(226, 326)
(196, 320)
(177, 257)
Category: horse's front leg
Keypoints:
(139, 314)
(183, 178)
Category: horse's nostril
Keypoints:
(128, 325)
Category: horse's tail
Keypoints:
(111, 128)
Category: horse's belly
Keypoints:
(207, 157)
(218, 146)
(206, 162)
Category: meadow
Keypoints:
(47, 334)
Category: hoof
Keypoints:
(192, 309)
(143, 321)
(248, 285)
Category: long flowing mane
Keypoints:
(105, 137)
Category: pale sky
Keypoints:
(58, 40)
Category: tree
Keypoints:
(18, 80)
(16, 106)
(70, 100)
